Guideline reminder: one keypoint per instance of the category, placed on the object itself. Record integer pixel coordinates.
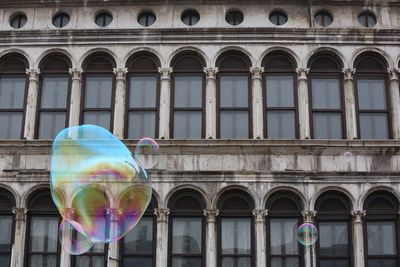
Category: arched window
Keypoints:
(280, 94)
(54, 95)
(143, 96)
(186, 229)
(326, 97)
(334, 223)
(234, 96)
(7, 202)
(235, 230)
(43, 246)
(13, 91)
(188, 97)
(98, 91)
(381, 230)
(138, 247)
(372, 97)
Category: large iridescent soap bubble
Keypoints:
(307, 234)
(100, 190)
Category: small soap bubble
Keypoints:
(73, 241)
(348, 156)
(146, 152)
(307, 234)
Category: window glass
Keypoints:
(234, 124)
(326, 94)
(51, 123)
(6, 223)
(94, 257)
(190, 17)
(281, 124)
(381, 238)
(280, 91)
(11, 125)
(234, 17)
(98, 92)
(234, 91)
(374, 126)
(371, 94)
(61, 20)
(103, 19)
(18, 21)
(54, 92)
(323, 19)
(236, 236)
(327, 125)
(278, 18)
(143, 92)
(141, 124)
(147, 19)
(333, 240)
(284, 236)
(188, 91)
(12, 93)
(187, 124)
(100, 118)
(186, 235)
(140, 239)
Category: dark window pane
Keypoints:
(278, 18)
(100, 118)
(141, 124)
(40, 261)
(137, 261)
(98, 92)
(326, 94)
(279, 91)
(5, 260)
(382, 263)
(54, 92)
(43, 234)
(371, 94)
(323, 19)
(6, 222)
(234, 91)
(12, 93)
(51, 123)
(374, 126)
(327, 125)
(281, 124)
(143, 92)
(381, 238)
(284, 236)
(186, 262)
(11, 125)
(190, 17)
(140, 239)
(286, 262)
(234, 17)
(186, 235)
(188, 91)
(61, 20)
(147, 19)
(18, 21)
(236, 236)
(187, 124)
(234, 124)
(335, 263)
(333, 239)
(239, 261)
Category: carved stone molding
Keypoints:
(259, 215)
(256, 72)
(309, 215)
(120, 73)
(211, 73)
(302, 73)
(211, 215)
(162, 215)
(348, 74)
(76, 74)
(113, 214)
(393, 74)
(165, 73)
(358, 215)
(20, 213)
(33, 74)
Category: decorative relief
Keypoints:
(302, 73)
(165, 73)
(76, 74)
(259, 215)
(211, 215)
(20, 213)
(162, 215)
(33, 74)
(211, 73)
(393, 74)
(120, 73)
(348, 73)
(309, 215)
(257, 72)
(358, 215)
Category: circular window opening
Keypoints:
(103, 19)
(61, 20)
(367, 19)
(278, 18)
(323, 19)
(234, 17)
(18, 21)
(190, 17)
(147, 19)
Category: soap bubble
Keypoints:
(307, 234)
(73, 241)
(146, 152)
(347, 156)
(109, 190)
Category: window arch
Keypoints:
(186, 229)
(283, 220)
(143, 96)
(372, 97)
(138, 247)
(188, 97)
(381, 230)
(43, 247)
(235, 230)
(334, 223)
(98, 90)
(326, 97)
(54, 96)
(234, 96)
(280, 96)
(13, 94)
(7, 202)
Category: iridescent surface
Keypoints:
(108, 189)
(73, 241)
(146, 152)
(307, 234)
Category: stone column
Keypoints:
(358, 238)
(350, 103)
(165, 102)
(18, 248)
(257, 110)
(162, 237)
(211, 102)
(211, 241)
(119, 108)
(113, 256)
(31, 103)
(259, 221)
(394, 102)
(303, 103)
(76, 94)
(309, 251)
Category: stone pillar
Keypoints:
(31, 103)
(119, 108)
(257, 110)
(18, 248)
(211, 102)
(358, 238)
(303, 103)
(394, 102)
(259, 226)
(165, 102)
(310, 258)
(76, 94)
(211, 241)
(162, 237)
(350, 103)
(113, 256)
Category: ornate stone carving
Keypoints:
(211, 215)
(259, 215)
(120, 73)
(162, 215)
(257, 72)
(165, 73)
(113, 214)
(348, 74)
(309, 215)
(20, 213)
(76, 74)
(302, 73)
(393, 74)
(33, 74)
(211, 73)
(358, 215)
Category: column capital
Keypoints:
(393, 74)
(76, 73)
(211, 215)
(358, 215)
(120, 73)
(257, 72)
(165, 73)
(302, 73)
(348, 73)
(113, 213)
(162, 215)
(259, 215)
(309, 215)
(33, 74)
(20, 213)
(211, 73)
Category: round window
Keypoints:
(103, 19)
(190, 17)
(61, 20)
(18, 21)
(147, 19)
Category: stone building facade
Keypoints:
(268, 114)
